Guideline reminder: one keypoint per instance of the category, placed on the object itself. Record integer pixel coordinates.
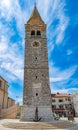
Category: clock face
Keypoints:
(35, 44)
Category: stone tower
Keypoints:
(36, 93)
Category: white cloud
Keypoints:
(64, 90)
(11, 9)
(63, 23)
(46, 4)
(16, 96)
(54, 9)
(13, 65)
(69, 52)
(20, 100)
(59, 79)
(56, 79)
(11, 57)
(51, 47)
(3, 46)
(11, 60)
(57, 75)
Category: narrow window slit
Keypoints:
(36, 77)
(36, 94)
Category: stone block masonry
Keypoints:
(36, 92)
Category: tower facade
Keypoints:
(36, 95)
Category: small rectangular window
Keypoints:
(69, 99)
(66, 99)
(38, 33)
(32, 33)
(61, 106)
(36, 77)
(60, 100)
(53, 106)
(53, 100)
(0, 83)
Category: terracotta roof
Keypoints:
(60, 95)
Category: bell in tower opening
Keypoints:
(37, 104)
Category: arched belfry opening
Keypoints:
(32, 33)
(38, 33)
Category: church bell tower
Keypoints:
(36, 94)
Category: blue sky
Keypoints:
(61, 17)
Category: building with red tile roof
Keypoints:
(61, 103)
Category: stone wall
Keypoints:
(3, 93)
(36, 72)
(28, 113)
(10, 112)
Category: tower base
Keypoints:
(44, 113)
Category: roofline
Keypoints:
(11, 98)
(59, 95)
(3, 79)
(3, 90)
